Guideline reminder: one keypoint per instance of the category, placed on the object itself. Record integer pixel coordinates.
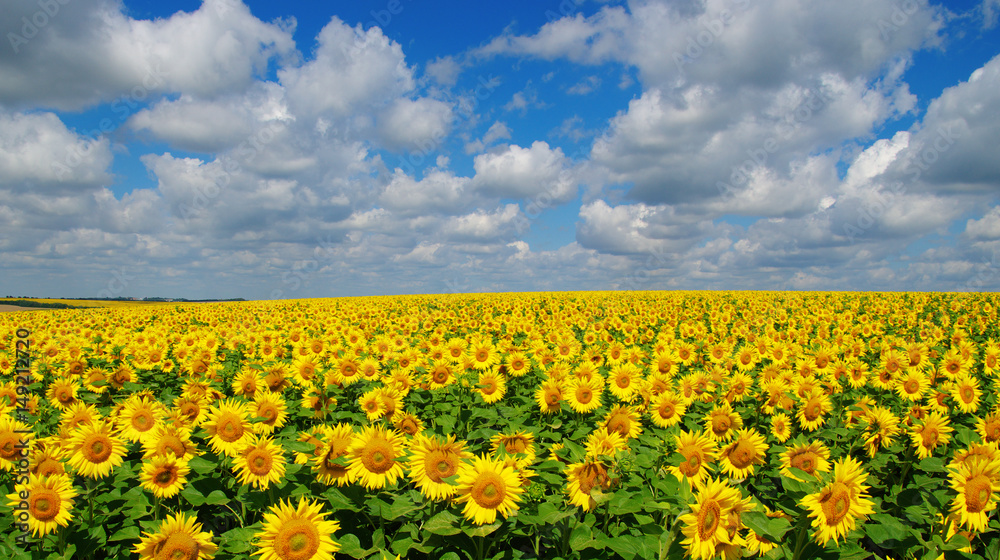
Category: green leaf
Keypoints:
(129, 533)
(444, 523)
(886, 529)
(201, 466)
(932, 464)
(550, 513)
(583, 537)
(237, 540)
(483, 530)
(350, 545)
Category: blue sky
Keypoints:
(263, 150)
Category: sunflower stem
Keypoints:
(90, 501)
(801, 539)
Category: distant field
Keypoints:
(74, 303)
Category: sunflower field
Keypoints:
(537, 425)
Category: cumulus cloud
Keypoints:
(38, 152)
(91, 52)
(517, 172)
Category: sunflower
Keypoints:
(14, 437)
(247, 382)
(46, 459)
(375, 455)
(582, 478)
(882, 428)
(966, 393)
(978, 485)
(602, 442)
(228, 426)
(952, 365)
(164, 475)
(407, 423)
(139, 418)
(934, 431)
(836, 508)
(260, 463)
(297, 532)
(271, 409)
(721, 423)
(440, 375)
(666, 409)
(989, 427)
(330, 460)
(49, 501)
(518, 364)
(813, 410)
(704, 527)
(170, 439)
(810, 457)
(95, 450)
(191, 407)
(492, 386)
(584, 395)
(62, 393)
(698, 452)
(781, 427)
(622, 381)
(179, 536)
(487, 487)
(912, 385)
(519, 444)
(432, 462)
(745, 451)
(371, 403)
(549, 396)
(483, 354)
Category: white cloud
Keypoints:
(91, 52)
(987, 227)
(37, 151)
(518, 172)
(414, 125)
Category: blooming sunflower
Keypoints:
(698, 452)
(407, 423)
(584, 395)
(299, 532)
(721, 423)
(602, 442)
(912, 385)
(14, 436)
(583, 477)
(810, 457)
(330, 462)
(781, 427)
(882, 428)
(978, 485)
(432, 462)
(836, 508)
(934, 431)
(49, 501)
(519, 444)
(139, 418)
(483, 354)
(666, 409)
(623, 419)
(271, 409)
(966, 393)
(622, 381)
(179, 536)
(164, 475)
(488, 487)
(704, 527)
(492, 386)
(813, 410)
(62, 393)
(741, 455)
(94, 449)
(375, 455)
(989, 427)
(549, 396)
(228, 425)
(260, 463)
